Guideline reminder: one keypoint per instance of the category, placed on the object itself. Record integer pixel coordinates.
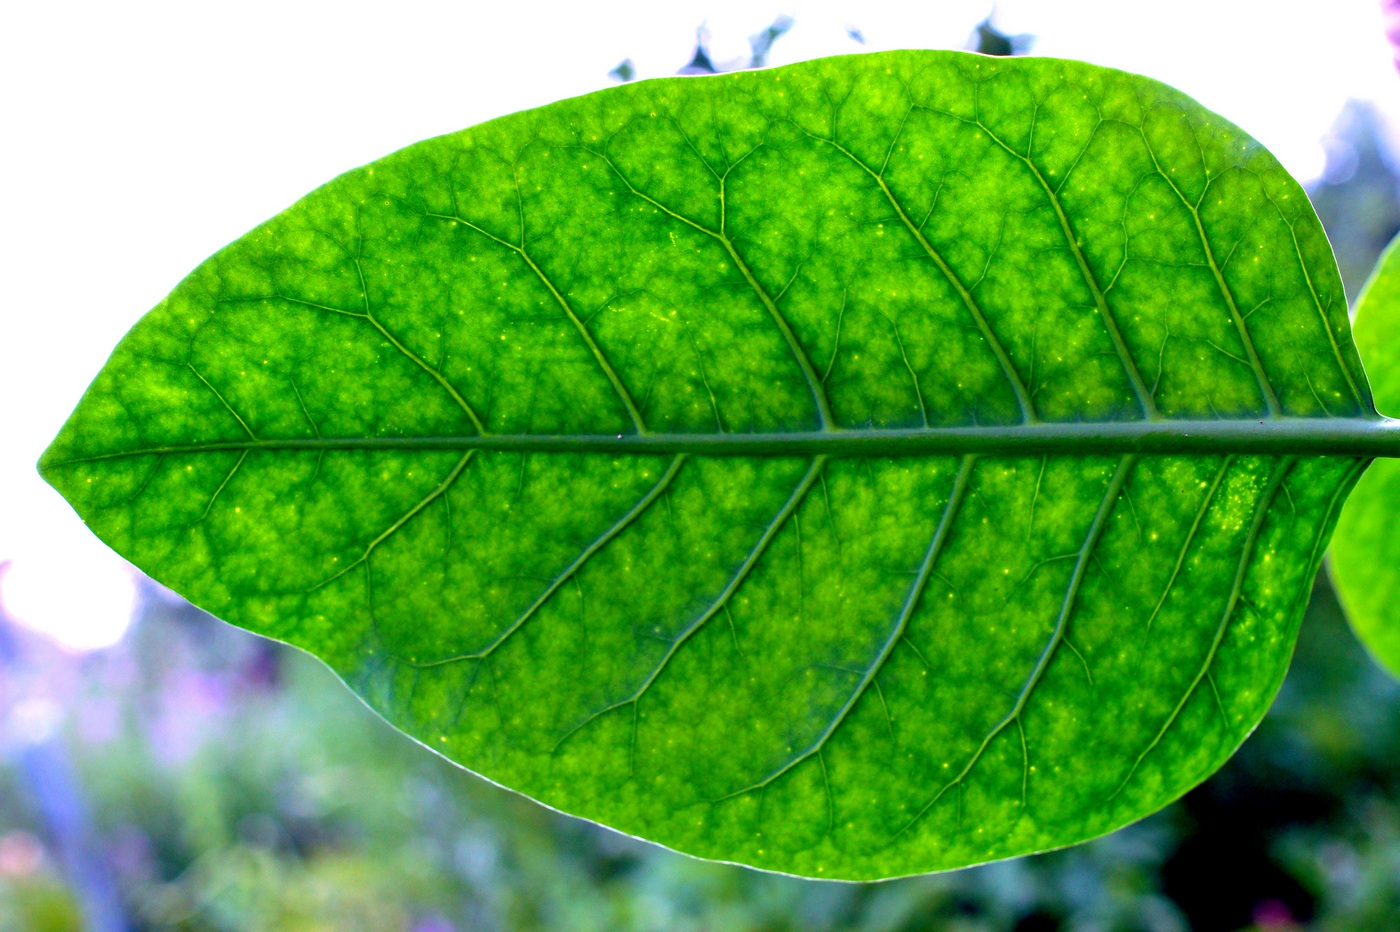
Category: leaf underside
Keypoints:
(835, 666)
(1366, 550)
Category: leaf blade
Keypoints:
(1365, 549)
(501, 425)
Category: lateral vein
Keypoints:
(815, 384)
(1110, 320)
(911, 602)
(720, 602)
(569, 572)
(1023, 396)
(1067, 606)
(598, 355)
(404, 519)
(1190, 537)
(1266, 387)
(414, 357)
(1261, 511)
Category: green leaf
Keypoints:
(872, 466)
(1365, 561)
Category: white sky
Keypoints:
(142, 136)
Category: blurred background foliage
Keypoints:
(197, 777)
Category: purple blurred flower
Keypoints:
(1390, 11)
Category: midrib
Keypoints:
(1359, 437)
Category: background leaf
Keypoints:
(1366, 550)
(547, 436)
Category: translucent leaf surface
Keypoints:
(1366, 553)
(872, 466)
